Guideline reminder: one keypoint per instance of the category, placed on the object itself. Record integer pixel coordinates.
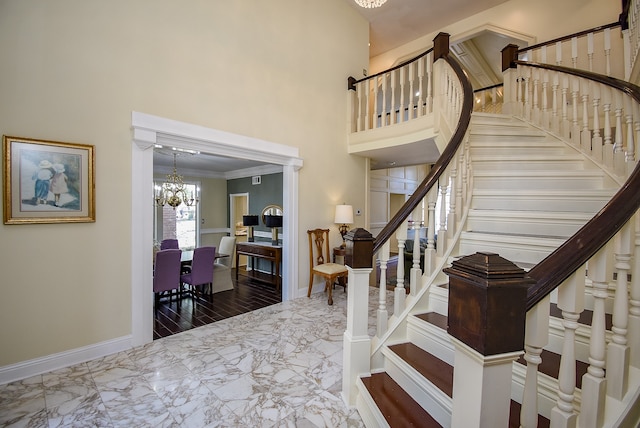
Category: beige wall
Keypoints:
(542, 19)
(74, 70)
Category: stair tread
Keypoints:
(397, 407)
(434, 318)
(431, 367)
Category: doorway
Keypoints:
(148, 131)
(238, 206)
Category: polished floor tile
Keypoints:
(279, 366)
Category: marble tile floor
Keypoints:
(279, 366)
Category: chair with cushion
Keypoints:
(319, 262)
(169, 244)
(201, 269)
(222, 266)
(166, 272)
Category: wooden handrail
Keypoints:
(569, 37)
(442, 162)
(577, 250)
(353, 81)
(497, 85)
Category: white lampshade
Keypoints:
(344, 214)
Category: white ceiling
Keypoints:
(394, 24)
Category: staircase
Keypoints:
(531, 191)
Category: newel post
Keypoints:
(509, 76)
(356, 341)
(487, 315)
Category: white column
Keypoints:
(481, 388)
(382, 315)
(356, 342)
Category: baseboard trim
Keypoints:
(26, 369)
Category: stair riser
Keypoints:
(540, 182)
(506, 149)
(432, 339)
(558, 202)
(515, 252)
(527, 164)
(429, 397)
(522, 226)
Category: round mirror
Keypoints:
(270, 210)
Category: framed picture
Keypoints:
(48, 181)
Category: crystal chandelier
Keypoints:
(173, 192)
(369, 4)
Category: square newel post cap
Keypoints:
(359, 250)
(509, 55)
(487, 303)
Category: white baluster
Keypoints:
(545, 102)
(585, 134)
(607, 148)
(374, 123)
(629, 150)
(590, 50)
(361, 119)
(400, 293)
(618, 350)
(634, 299)
(420, 111)
(383, 107)
(527, 94)
(594, 384)
(575, 127)
(618, 146)
(555, 118)
(382, 313)
(607, 51)
(392, 102)
(571, 302)
(415, 275)
(596, 141)
(536, 337)
(429, 83)
(564, 124)
(451, 214)
(558, 53)
(430, 251)
(459, 188)
(574, 52)
(411, 110)
(442, 231)
(536, 106)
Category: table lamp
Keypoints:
(274, 222)
(250, 221)
(343, 217)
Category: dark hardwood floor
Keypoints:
(175, 315)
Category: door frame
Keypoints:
(149, 131)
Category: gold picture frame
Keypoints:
(48, 181)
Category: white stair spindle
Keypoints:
(383, 106)
(545, 102)
(585, 134)
(420, 111)
(392, 102)
(536, 88)
(629, 147)
(558, 53)
(607, 148)
(618, 350)
(634, 299)
(400, 293)
(618, 145)
(590, 50)
(415, 275)
(596, 140)
(382, 313)
(607, 51)
(375, 123)
(594, 384)
(411, 108)
(369, 121)
(575, 127)
(536, 338)
(430, 251)
(442, 230)
(361, 119)
(565, 129)
(555, 118)
(571, 303)
(574, 52)
(429, 84)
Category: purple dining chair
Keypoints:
(166, 272)
(167, 244)
(201, 272)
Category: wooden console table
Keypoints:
(262, 250)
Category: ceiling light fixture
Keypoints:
(370, 4)
(173, 192)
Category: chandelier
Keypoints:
(173, 192)
(369, 4)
